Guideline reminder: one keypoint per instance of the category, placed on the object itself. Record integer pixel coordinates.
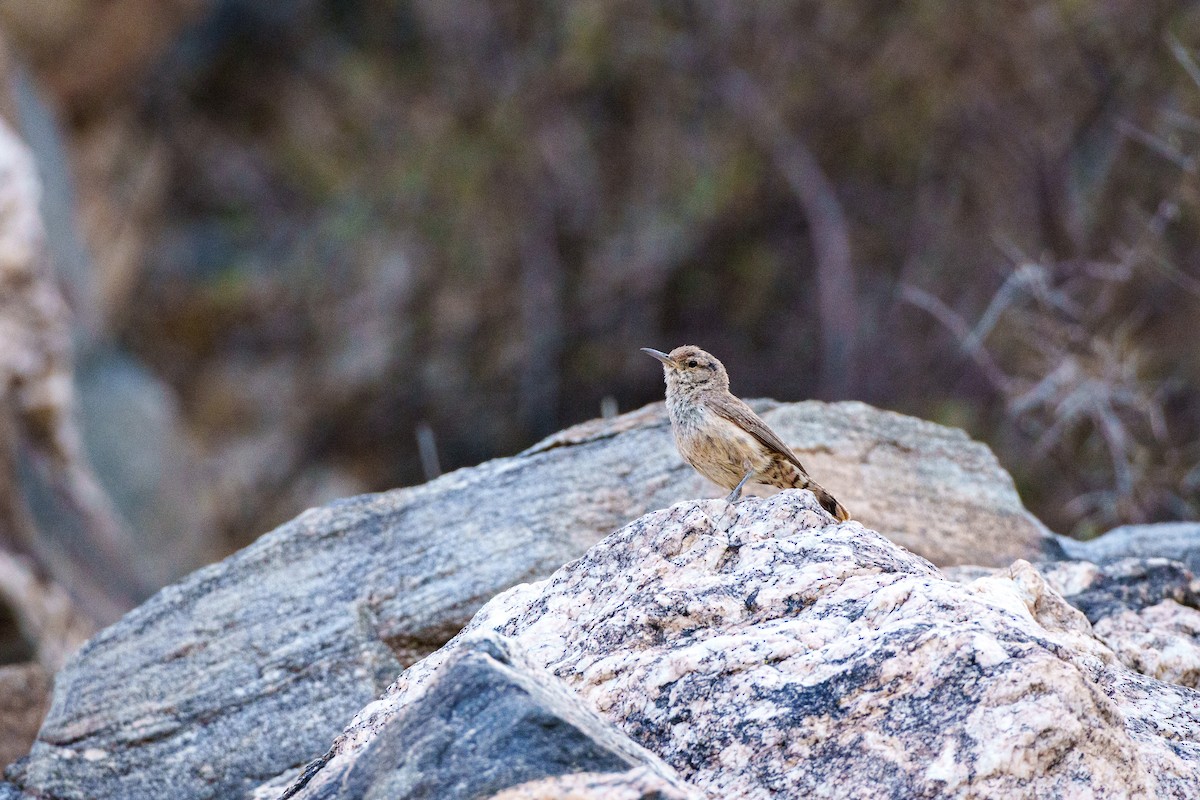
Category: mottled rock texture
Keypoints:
(1146, 610)
(300, 630)
(489, 722)
(636, 784)
(764, 651)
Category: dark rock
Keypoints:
(484, 724)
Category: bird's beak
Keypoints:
(660, 355)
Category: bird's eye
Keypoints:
(692, 363)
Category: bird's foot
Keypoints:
(736, 495)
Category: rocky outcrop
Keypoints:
(300, 630)
(489, 723)
(763, 651)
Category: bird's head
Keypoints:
(689, 368)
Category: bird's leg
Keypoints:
(736, 494)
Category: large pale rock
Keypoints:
(764, 651)
(487, 723)
(923, 485)
(301, 629)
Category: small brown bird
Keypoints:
(721, 437)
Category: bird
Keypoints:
(721, 437)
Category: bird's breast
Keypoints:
(716, 447)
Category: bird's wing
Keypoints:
(743, 416)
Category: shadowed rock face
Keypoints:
(763, 651)
(301, 629)
(486, 725)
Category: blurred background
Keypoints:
(297, 238)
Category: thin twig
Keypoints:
(427, 449)
(1184, 58)
(836, 284)
(958, 326)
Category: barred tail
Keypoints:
(828, 502)
(786, 475)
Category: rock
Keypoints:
(925, 486)
(132, 431)
(301, 629)
(763, 651)
(1162, 641)
(485, 723)
(1130, 584)
(636, 784)
(1144, 609)
(1178, 541)
(88, 552)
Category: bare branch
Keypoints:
(836, 290)
(1184, 58)
(962, 331)
(1165, 149)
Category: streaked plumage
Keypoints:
(721, 437)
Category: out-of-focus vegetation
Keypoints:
(322, 224)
